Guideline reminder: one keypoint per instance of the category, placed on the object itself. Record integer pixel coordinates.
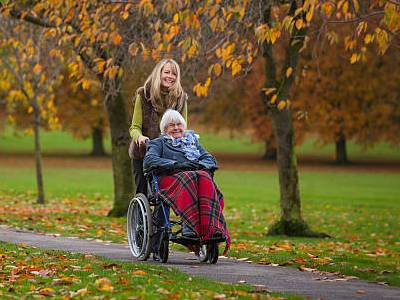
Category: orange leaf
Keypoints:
(116, 38)
(37, 69)
(289, 71)
(217, 69)
(139, 273)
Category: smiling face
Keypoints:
(168, 76)
(175, 129)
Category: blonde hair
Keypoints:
(152, 87)
(171, 116)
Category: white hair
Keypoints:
(171, 116)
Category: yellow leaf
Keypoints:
(353, 58)
(282, 105)
(208, 82)
(217, 69)
(37, 69)
(289, 72)
(85, 84)
(236, 67)
(309, 15)
(30, 109)
(368, 38)
(273, 99)
(268, 91)
(176, 18)
(274, 35)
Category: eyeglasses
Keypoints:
(173, 125)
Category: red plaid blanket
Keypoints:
(194, 197)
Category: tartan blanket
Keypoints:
(194, 197)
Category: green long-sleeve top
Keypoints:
(137, 119)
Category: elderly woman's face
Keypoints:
(175, 129)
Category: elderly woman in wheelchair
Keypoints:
(180, 176)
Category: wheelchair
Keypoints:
(150, 230)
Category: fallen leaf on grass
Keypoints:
(111, 266)
(42, 273)
(163, 291)
(46, 292)
(104, 284)
(139, 273)
(80, 292)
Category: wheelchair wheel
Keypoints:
(164, 249)
(139, 227)
(213, 253)
(203, 254)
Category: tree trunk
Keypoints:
(97, 142)
(291, 222)
(120, 139)
(270, 150)
(341, 151)
(38, 156)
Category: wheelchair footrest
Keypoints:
(184, 240)
(214, 240)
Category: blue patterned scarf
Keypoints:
(187, 143)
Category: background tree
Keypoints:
(81, 112)
(30, 76)
(351, 101)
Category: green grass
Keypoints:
(61, 142)
(35, 273)
(360, 210)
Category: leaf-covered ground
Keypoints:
(361, 212)
(29, 273)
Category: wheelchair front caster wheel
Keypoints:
(164, 250)
(212, 253)
(203, 254)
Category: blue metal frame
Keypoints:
(163, 207)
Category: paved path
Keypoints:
(279, 279)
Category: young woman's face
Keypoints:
(175, 129)
(168, 77)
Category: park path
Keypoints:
(272, 278)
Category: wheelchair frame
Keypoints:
(149, 230)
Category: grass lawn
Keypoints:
(61, 142)
(30, 273)
(360, 210)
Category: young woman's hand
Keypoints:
(142, 140)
